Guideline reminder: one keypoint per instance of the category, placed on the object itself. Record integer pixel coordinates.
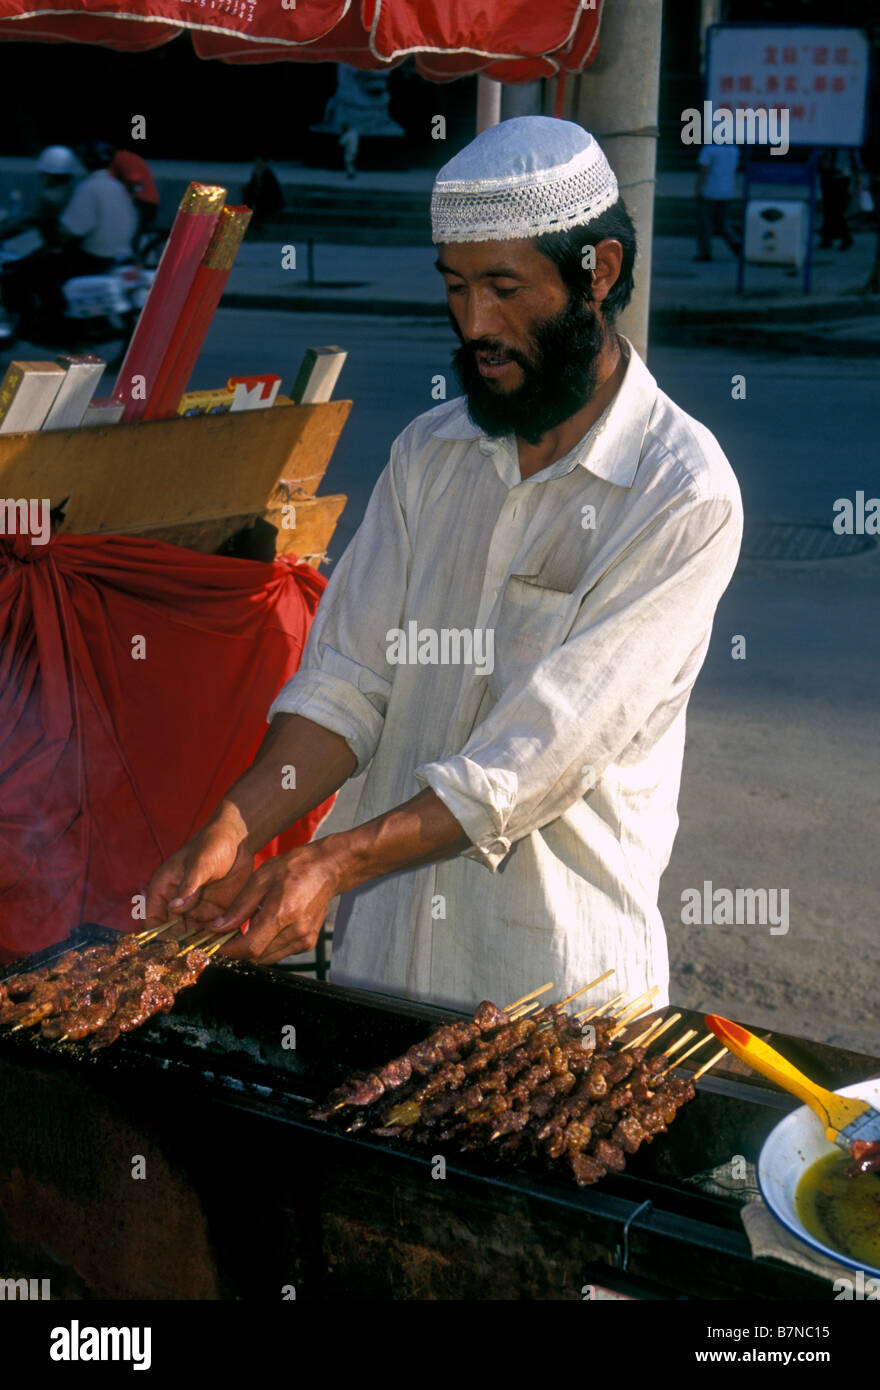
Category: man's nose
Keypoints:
(479, 318)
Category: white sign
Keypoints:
(817, 73)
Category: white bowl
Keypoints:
(794, 1145)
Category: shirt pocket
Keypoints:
(531, 620)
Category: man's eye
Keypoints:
(454, 289)
(505, 294)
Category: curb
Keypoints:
(333, 304)
(727, 322)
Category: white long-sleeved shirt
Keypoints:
(592, 586)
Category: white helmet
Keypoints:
(58, 159)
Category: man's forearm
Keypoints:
(418, 832)
(298, 765)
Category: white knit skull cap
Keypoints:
(521, 178)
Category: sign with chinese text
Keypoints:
(816, 72)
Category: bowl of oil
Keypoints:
(803, 1180)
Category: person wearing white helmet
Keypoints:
(60, 169)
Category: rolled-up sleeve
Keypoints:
(344, 679)
(635, 647)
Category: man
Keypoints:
(570, 530)
(262, 192)
(349, 141)
(716, 188)
(100, 220)
(59, 168)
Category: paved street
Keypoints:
(780, 785)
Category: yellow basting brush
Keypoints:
(844, 1119)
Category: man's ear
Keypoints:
(609, 260)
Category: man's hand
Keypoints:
(286, 900)
(201, 879)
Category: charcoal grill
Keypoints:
(181, 1163)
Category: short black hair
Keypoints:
(566, 250)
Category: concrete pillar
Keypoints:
(488, 102)
(616, 100)
(522, 99)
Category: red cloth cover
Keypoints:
(109, 762)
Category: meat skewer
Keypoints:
(536, 1087)
(135, 1000)
(445, 1044)
(178, 975)
(54, 996)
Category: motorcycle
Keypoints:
(97, 308)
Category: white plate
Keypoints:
(794, 1145)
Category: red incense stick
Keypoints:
(196, 314)
(184, 249)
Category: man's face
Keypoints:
(529, 350)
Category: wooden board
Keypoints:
(316, 519)
(214, 472)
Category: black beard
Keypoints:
(559, 377)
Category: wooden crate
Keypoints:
(193, 481)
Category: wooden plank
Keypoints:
(316, 519)
(137, 478)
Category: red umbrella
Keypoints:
(516, 41)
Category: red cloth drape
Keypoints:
(135, 678)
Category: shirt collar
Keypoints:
(614, 452)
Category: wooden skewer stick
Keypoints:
(695, 1047)
(591, 985)
(516, 1003)
(639, 1000)
(200, 939)
(144, 936)
(221, 941)
(524, 1010)
(635, 1010)
(679, 1042)
(654, 1031)
(706, 1065)
(600, 1008)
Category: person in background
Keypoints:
(262, 192)
(839, 170)
(60, 169)
(716, 186)
(93, 233)
(133, 173)
(349, 139)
